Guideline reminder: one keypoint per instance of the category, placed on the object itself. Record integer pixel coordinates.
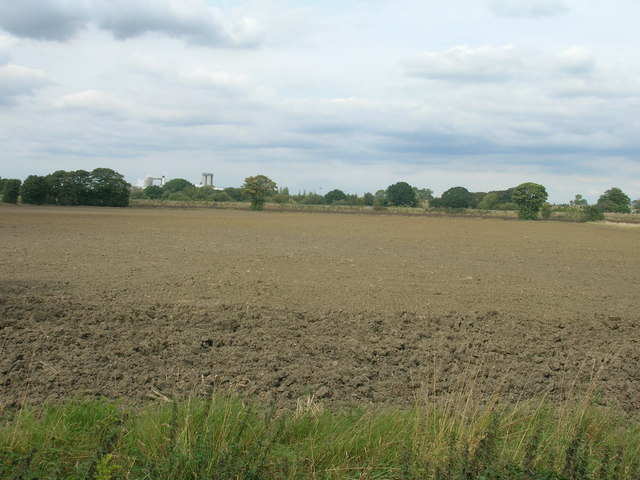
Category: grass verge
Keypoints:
(225, 437)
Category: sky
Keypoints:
(318, 95)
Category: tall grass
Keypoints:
(225, 437)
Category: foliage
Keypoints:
(153, 192)
(35, 190)
(11, 191)
(423, 194)
(368, 199)
(225, 437)
(614, 200)
(137, 193)
(234, 193)
(176, 185)
(592, 213)
(281, 198)
(455, 197)
(529, 197)
(334, 196)
(475, 198)
(545, 210)
(312, 199)
(636, 205)
(221, 197)
(109, 188)
(70, 188)
(401, 194)
(257, 189)
(578, 201)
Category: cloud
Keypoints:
(576, 60)
(527, 8)
(464, 63)
(220, 80)
(94, 101)
(16, 80)
(191, 20)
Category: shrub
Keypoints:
(592, 213)
(529, 197)
(545, 210)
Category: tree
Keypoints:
(153, 192)
(70, 188)
(423, 194)
(636, 205)
(176, 185)
(578, 201)
(456, 197)
(334, 196)
(109, 188)
(401, 194)
(368, 199)
(614, 200)
(312, 198)
(35, 190)
(529, 197)
(11, 191)
(257, 189)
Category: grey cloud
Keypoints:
(527, 8)
(195, 21)
(42, 20)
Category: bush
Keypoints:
(592, 213)
(545, 211)
(529, 197)
(178, 197)
(220, 197)
(153, 192)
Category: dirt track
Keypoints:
(132, 303)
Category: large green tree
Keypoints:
(401, 194)
(529, 197)
(109, 188)
(614, 200)
(257, 189)
(35, 190)
(456, 197)
(70, 188)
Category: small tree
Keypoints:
(368, 199)
(35, 190)
(545, 210)
(257, 189)
(529, 197)
(11, 191)
(401, 194)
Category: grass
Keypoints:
(225, 437)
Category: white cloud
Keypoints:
(576, 60)
(218, 80)
(464, 63)
(96, 101)
(16, 80)
(528, 8)
(192, 20)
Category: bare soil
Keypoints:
(354, 309)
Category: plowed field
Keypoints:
(139, 303)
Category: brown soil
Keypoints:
(136, 303)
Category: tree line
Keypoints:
(101, 187)
(106, 187)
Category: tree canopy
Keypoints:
(401, 194)
(529, 197)
(334, 196)
(614, 200)
(455, 197)
(257, 189)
